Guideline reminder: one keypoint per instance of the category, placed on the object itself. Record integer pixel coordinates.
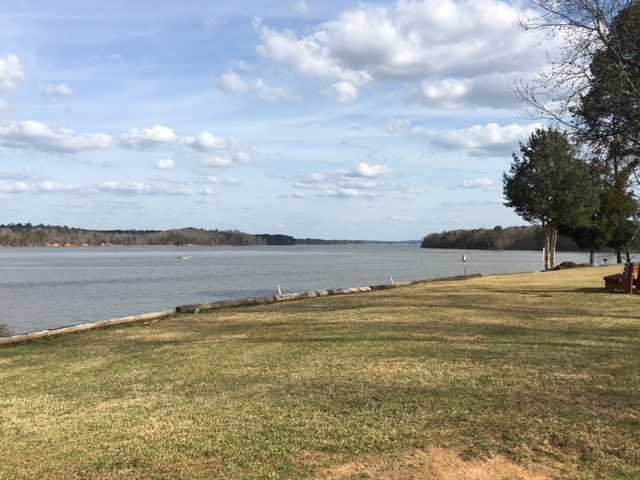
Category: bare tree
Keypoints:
(581, 28)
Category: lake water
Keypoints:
(48, 288)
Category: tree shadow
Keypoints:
(590, 290)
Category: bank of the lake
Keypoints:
(522, 376)
(52, 288)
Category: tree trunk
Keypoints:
(628, 254)
(592, 258)
(547, 244)
(553, 239)
(619, 255)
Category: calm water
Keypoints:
(45, 288)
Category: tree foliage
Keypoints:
(548, 186)
(593, 87)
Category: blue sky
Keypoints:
(333, 119)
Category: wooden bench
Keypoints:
(626, 281)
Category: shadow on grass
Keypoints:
(591, 290)
(547, 292)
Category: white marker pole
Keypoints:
(279, 291)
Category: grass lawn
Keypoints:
(518, 377)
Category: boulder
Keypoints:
(568, 265)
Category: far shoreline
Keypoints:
(328, 244)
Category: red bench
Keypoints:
(626, 281)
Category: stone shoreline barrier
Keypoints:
(207, 307)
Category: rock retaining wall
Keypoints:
(206, 307)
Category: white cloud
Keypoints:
(484, 140)
(225, 181)
(302, 8)
(242, 156)
(14, 187)
(310, 57)
(39, 136)
(346, 92)
(206, 142)
(11, 72)
(362, 181)
(478, 184)
(445, 92)
(222, 152)
(165, 164)
(232, 83)
(50, 186)
(492, 90)
(152, 187)
(148, 137)
(227, 159)
(47, 186)
(141, 188)
(432, 40)
(398, 125)
(366, 170)
(58, 90)
(227, 152)
(339, 185)
(217, 161)
(123, 187)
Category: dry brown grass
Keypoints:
(435, 464)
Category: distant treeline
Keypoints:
(289, 240)
(498, 238)
(28, 235)
(317, 241)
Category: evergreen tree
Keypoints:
(547, 185)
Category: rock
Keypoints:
(381, 287)
(568, 265)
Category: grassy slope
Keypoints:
(540, 368)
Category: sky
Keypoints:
(381, 120)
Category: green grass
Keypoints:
(540, 369)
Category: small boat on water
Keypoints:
(184, 257)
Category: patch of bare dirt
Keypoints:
(434, 464)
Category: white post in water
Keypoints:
(279, 291)
(464, 262)
(392, 282)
